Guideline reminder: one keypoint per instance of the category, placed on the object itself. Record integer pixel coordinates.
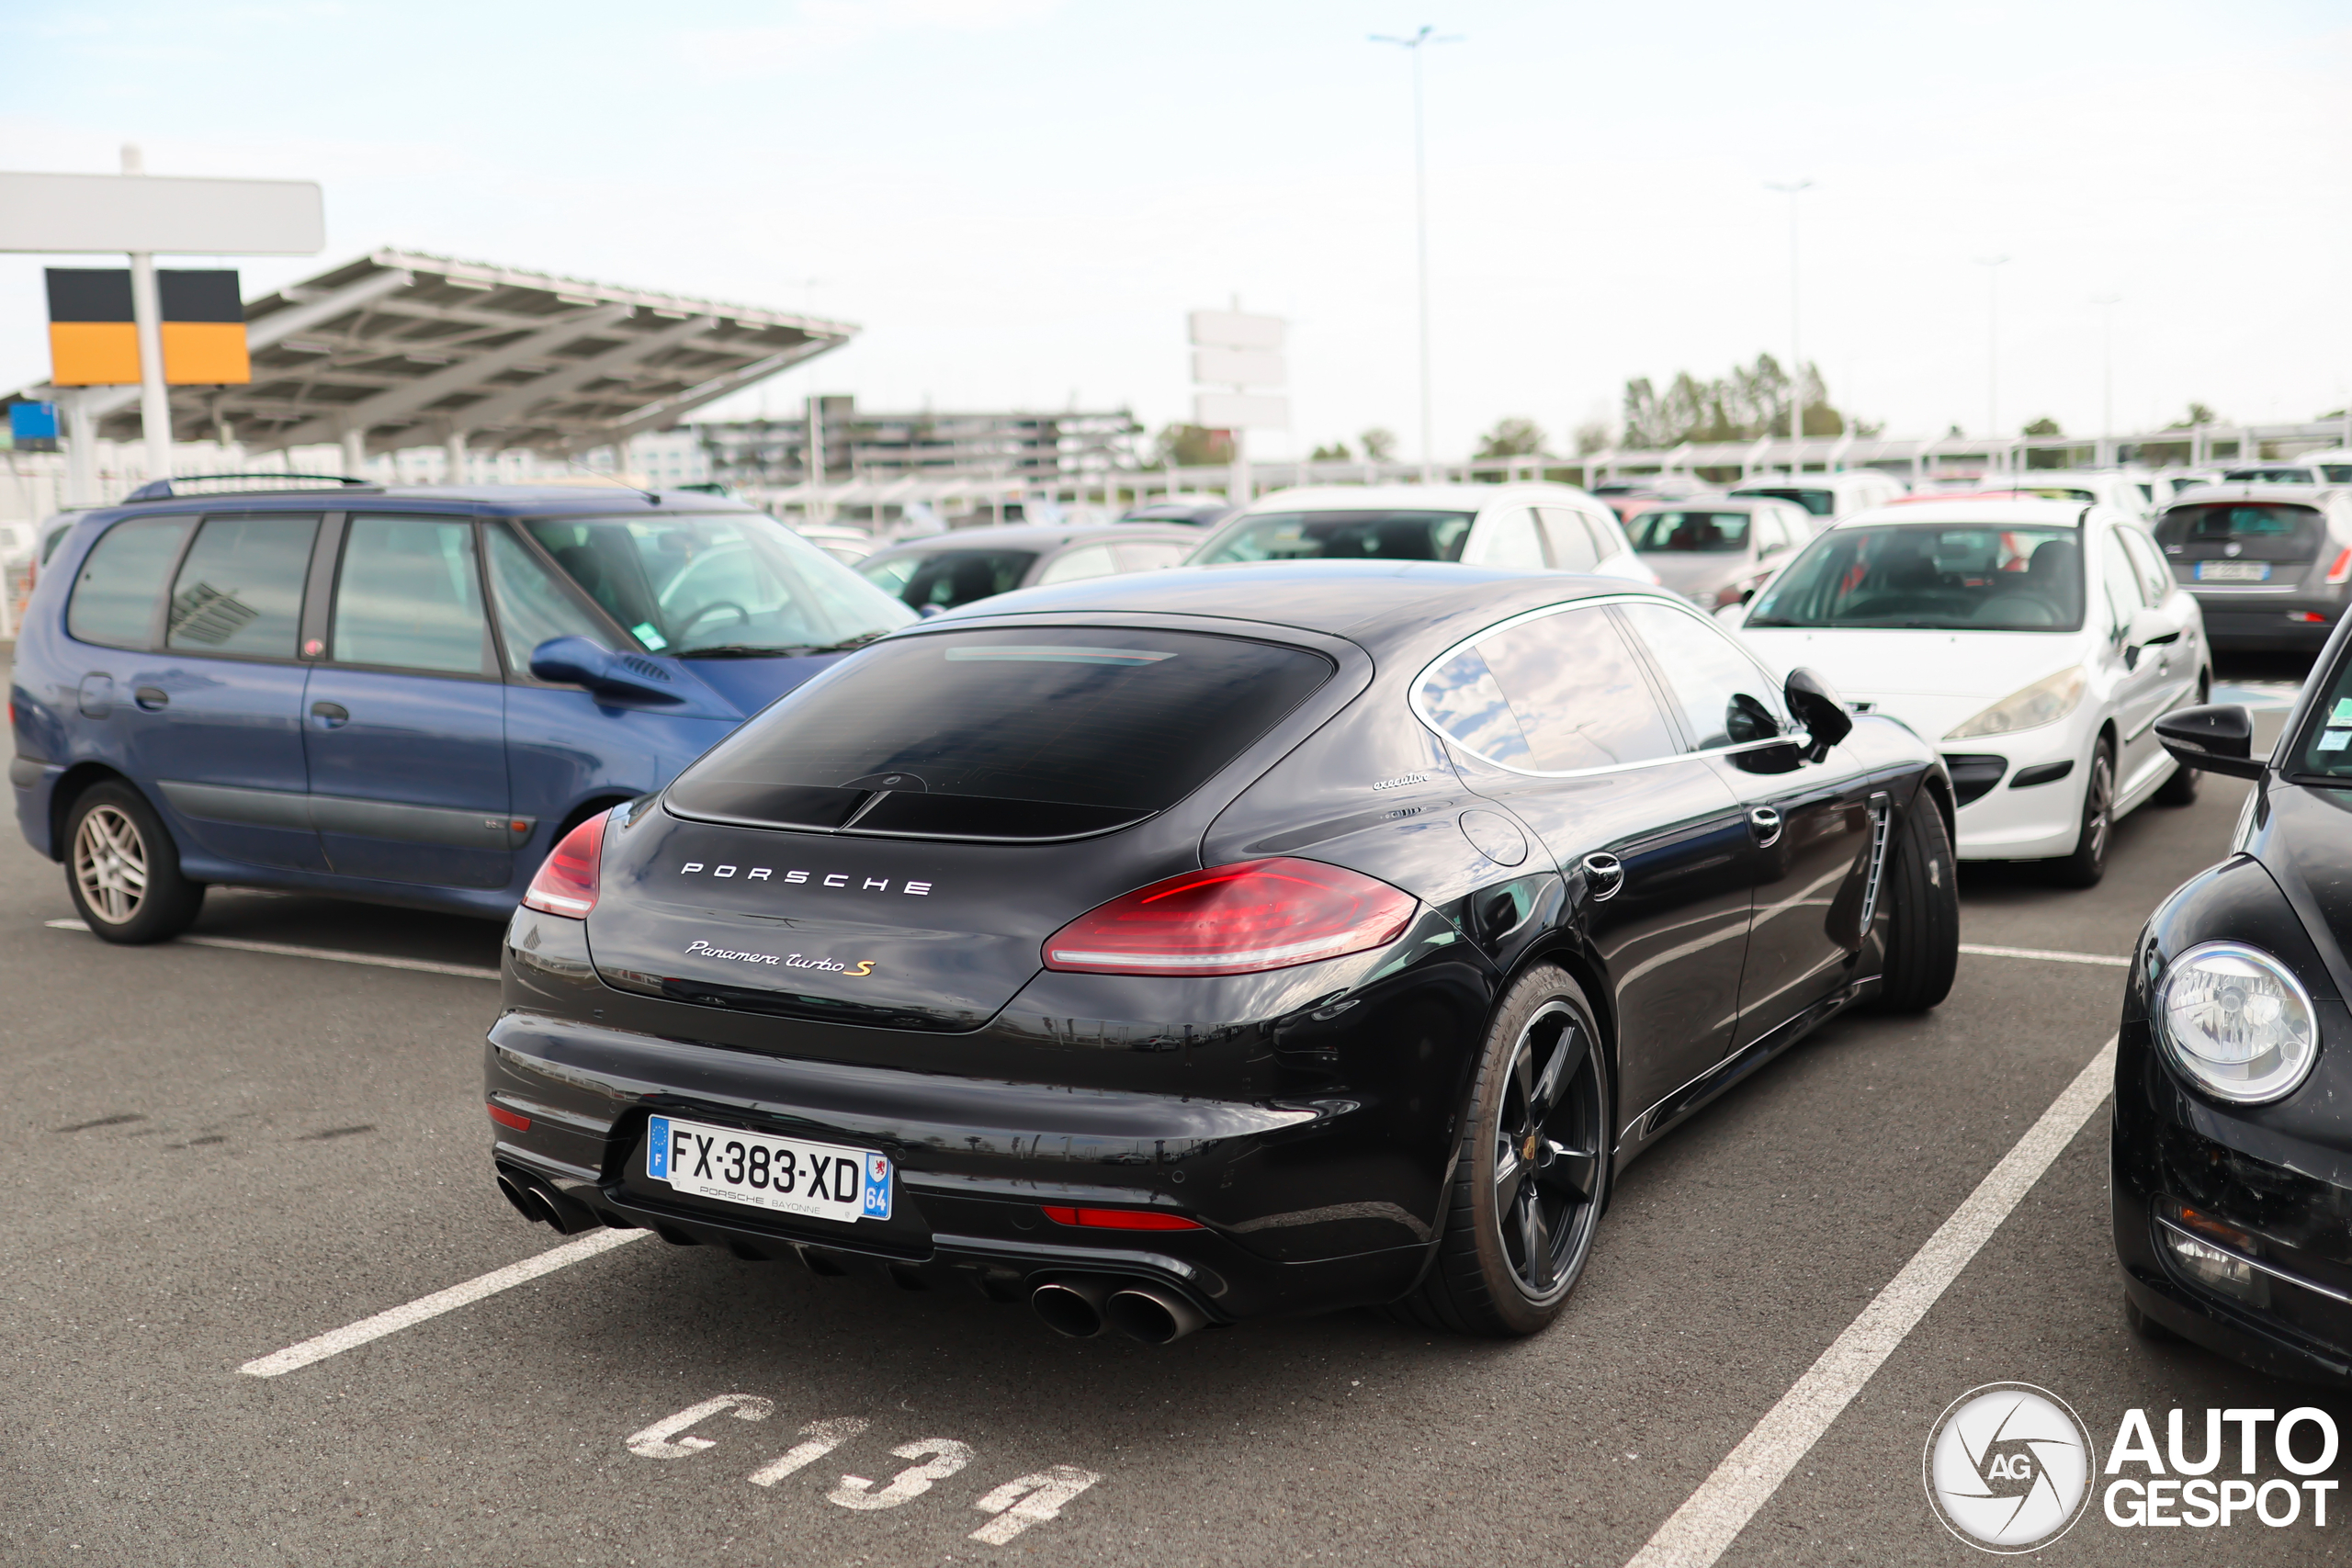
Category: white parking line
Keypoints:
(238, 944)
(294, 1357)
(1712, 1517)
(2048, 954)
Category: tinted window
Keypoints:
(2238, 523)
(533, 608)
(2120, 580)
(2272, 476)
(1344, 536)
(949, 578)
(1573, 548)
(2155, 577)
(1076, 565)
(2336, 473)
(1924, 576)
(114, 599)
(1726, 699)
(239, 591)
(1681, 533)
(409, 596)
(1032, 732)
(1820, 502)
(1509, 538)
(2327, 749)
(1554, 694)
(715, 581)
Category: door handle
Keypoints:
(1605, 874)
(152, 697)
(1765, 823)
(329, 716)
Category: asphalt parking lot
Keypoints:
(225, 1149)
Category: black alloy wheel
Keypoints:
(2088, 862)
(1532, 1175)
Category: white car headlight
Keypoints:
(2238, 1021)
(2045, 702)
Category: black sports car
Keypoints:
(2233, 1146)
(1191, 947)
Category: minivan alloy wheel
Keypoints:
(110, 863)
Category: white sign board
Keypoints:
(159, 215)
(1231, 328)
(1241, 411)
(1239, 368)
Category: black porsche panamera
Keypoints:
(2232, 1154)
(1194, 947)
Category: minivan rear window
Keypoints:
(114, 597)
(1008, 734)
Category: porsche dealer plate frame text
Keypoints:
(790, 1176)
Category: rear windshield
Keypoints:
(2236, 522)
(2054, 493)
(1697, 533)
(1934, 578)
(1342, 535)
(2336, 473)
(1019, 733)
(2272, 477)
(716, 582)
(944, 578)
(1820, 502)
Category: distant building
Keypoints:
(772, 453)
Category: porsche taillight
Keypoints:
(1234, 919)
(566, 883)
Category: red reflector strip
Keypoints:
(507, 1118)
(2309, 617)
(2342, 569)
(1121, 1219)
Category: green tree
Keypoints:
(1335, 453)
(2197, 414)
(1379, 443)
(1513, 437)
(1192, 446)
(2045, 425)
(1592, 436)
(1750, 401)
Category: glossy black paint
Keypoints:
(2279, 1175)
(1307, 1117)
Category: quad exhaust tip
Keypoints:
(1082, 1308)
(543, 1205)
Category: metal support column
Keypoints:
(355, 453)
(81, 449)
(455, 473)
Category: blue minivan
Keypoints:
(403, 696)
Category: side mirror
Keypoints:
(576, 661)
(2219, 740)
(2149, 624)
(1816, 707)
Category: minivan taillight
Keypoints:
(1234, 919)
(567, 882)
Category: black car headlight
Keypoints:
(2237, 1021)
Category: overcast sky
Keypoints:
(1018, 200)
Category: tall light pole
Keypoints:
(1992, 265)
(1796, 361)
(1422, 231)
(2107, 303)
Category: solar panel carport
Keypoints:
(401, 349)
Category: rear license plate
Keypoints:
(2233, 571)
(792, 1177)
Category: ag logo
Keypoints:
(2007, 1467)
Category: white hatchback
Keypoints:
(1540, 527)
(2034, 642)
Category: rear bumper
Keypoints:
(2272, 621)
(975, 1160)
(33, 784)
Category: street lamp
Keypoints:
(1992, 265)
(1421, 227)
(1796, 361)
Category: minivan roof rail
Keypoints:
(164, 490)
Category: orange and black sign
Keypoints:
(92, 343)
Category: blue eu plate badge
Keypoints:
(877, 1201)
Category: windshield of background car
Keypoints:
(1820, 502)
(1342, 535)
(2336, 473)
(1989, 577)
(948, 578)
(2270, 476)
(2242, 524)
(1692, 533)
(704, 582)
(2054, 493)
(1030, 732)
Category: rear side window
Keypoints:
(1573, 548)
(1020, 733)
(114, 598)
(1150, 555)
(1076, 565)
(1342, 535)
(949, 578)
(411, 597)
(1559, 693)
(239, 591)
